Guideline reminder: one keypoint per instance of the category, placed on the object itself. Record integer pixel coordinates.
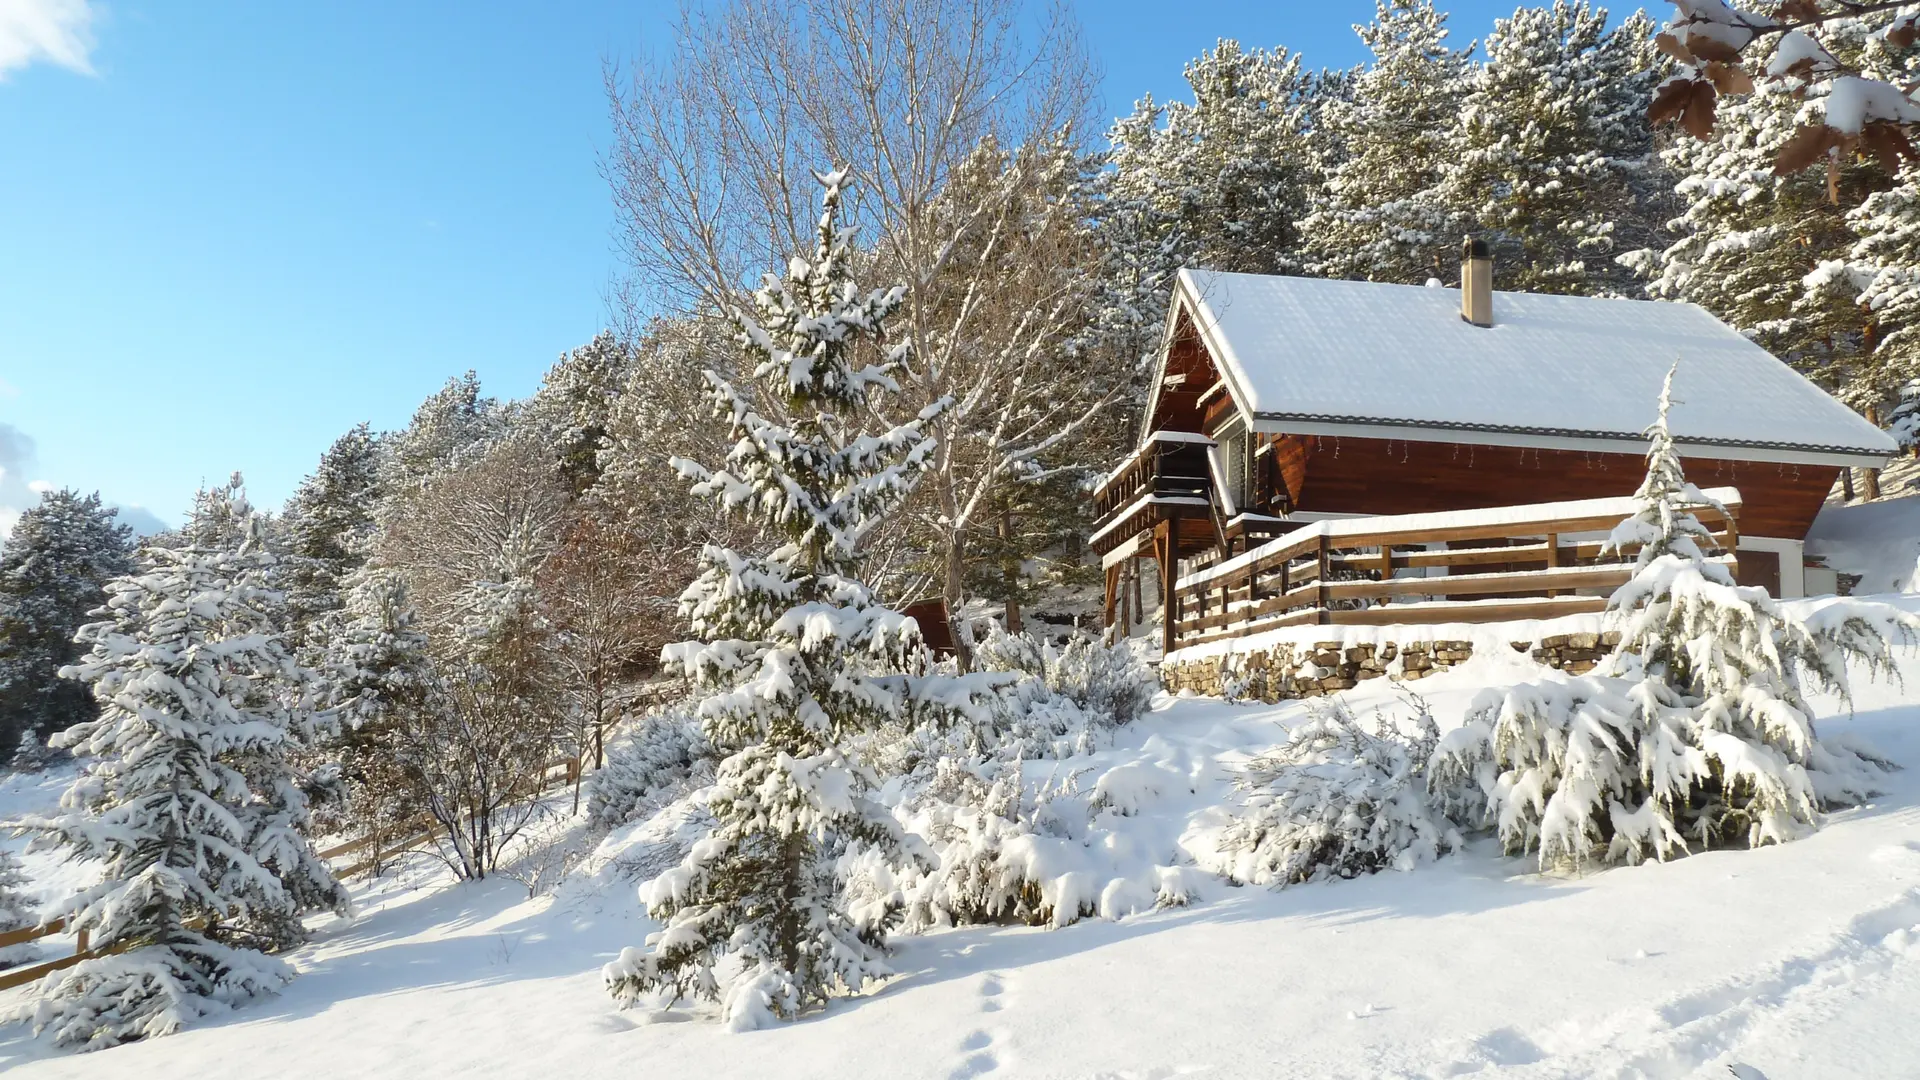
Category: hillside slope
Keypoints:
(1798, 961)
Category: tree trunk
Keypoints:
(1010, 570)
(953, 590)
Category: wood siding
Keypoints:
(1395, 476)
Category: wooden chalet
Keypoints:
(1285, 401)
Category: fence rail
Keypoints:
(1493, 565)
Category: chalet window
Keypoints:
(1234, 449)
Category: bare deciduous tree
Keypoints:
(609, 622)
(961, 122)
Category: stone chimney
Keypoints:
(1476, 282)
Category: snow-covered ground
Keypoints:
(1880, 541)
(1798, 961)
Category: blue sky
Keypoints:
(229, 231)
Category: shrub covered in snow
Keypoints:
(1108, 682)
(16, 912)
(1046, 855)
(662, 750)
(1337, 801)
(1696, 733)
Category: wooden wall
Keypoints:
(1394, 476)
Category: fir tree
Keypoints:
(16, 912)
(53, 572)
(378, 676)
(452, 427)
(1382, 216)
(1220, 183)
(792, 653)
(191, 810)
(1696, 733)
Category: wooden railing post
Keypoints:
(1553, 559)
(80, 941)
(1171, 599)
(1320, 600)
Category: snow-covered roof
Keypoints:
(1316, 356)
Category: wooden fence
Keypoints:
(560, 772)
(1494, 565)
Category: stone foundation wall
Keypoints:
(1304, 670)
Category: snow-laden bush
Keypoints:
(1109, 682)
(34, 755)
(1002, 852)
(654, 760)
(1337, 801)
(1695, 733)
(16, 911)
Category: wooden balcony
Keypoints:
(1166, 479)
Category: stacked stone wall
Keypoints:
(1310, 669)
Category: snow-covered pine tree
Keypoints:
(16, 912)
(1695, 733)
(190, 810)
(378, 675)
(1886, 259)
(1219, 183)
(794, 655)
(329, 522)
(455, 425)
(1555, 165)
(1903, 421)
(1777, 256)
(1382, 216)
(53, 572)
(574, 406)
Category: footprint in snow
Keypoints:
(992, 988)
(980, 1059)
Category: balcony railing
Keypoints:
(1492, 565)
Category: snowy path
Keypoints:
(1800, 961)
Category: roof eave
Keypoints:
(1550, 439)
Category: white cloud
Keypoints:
(18, 494)
(16, 456)
(54, 31)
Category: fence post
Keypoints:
(80, 942)
(1553, 559)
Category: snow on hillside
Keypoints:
(1797, 961)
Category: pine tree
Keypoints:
(191, 810)
(53, 572)
(1220, 183)
(455, 425)
(1382, 216)
(1555, 166)
(16, 912)
(574, 406)
(1780, 257)
(330, 521)
(379, 676)
(792, 650)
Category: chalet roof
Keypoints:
(1315, 356)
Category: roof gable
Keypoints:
(1303, 353)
